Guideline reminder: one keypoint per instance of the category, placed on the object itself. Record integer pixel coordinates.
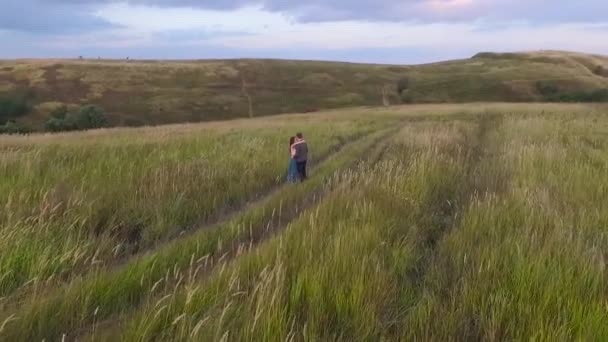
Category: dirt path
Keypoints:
(110, 329)
(226, 214)
(447, 208)
(217, 221)
(147, 265)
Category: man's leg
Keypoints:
(299, 167)
(302, 170)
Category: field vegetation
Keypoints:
(137, 93)
(434, 222)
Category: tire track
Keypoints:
(101, 296)
(216, 221)
(450, 207)
(226, 214)
(257, 236)
(442, 214)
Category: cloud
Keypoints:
(255, 31)
(49, 17)
(539, 11)
(254, 27)
(154, 19)
(397, 31)
(447, 36)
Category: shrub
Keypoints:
(598, 95)
(60, 112)
(12, 107)
(57, 125)
(87, 117)
(496, 55)
(403, 84)
(600, 71)
(11, 127)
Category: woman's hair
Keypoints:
(291, 141)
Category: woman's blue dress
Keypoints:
(292, 171)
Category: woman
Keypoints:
(292, 171)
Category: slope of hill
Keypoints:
(158, 92)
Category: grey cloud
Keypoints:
(76, 15)
(539, 11)
(49, 17)
(402, 10)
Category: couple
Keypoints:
(298, 150)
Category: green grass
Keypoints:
(335, 273)
(159, 92)
(65, 195)
(526, 261)
(115, 290)
(471, 222)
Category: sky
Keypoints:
(375, 31)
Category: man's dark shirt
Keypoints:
(301, 151)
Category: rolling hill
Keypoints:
(134, 93)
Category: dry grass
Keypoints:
(98, 196)
(476, 222)
(161, 92)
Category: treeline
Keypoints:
(598, 95)
(86, 117)
(62, 119)
(12, 107)
(551, 92)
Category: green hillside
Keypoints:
(157, 92)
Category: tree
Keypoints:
(403, 84)
(87, 117)
(57, 125)
(59, 112)
(11, 127)
(12, 107)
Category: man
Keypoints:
(301, 155)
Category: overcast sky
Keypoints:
(382, 31)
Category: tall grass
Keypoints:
(334, 273)
(466, 225)
(69, 207)
(527, 260)
(111, 292)
(501, 239)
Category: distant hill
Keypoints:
(157, 92)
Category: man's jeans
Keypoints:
(302, 170)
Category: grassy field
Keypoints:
(135, 93)
(430, 222)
